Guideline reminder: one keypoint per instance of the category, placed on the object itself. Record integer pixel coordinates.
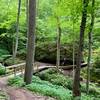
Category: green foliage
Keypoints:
(43, 87)
(16, 81)
(55, 78)
(3, 96)
(10, 61)
(2, 70)
(95, 71)
(46, 29)
(93, 89)
(49, 89)
(95, 68)
(3, 52)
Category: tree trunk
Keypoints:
(90, 46)
(31, 42)
(27, 15)
(73, 58)
(76, 84)
(17, 32)
(58, 43)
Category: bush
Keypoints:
(3, 51)
(95, 71)
(16, 81)
(93, 89)
(55, 78)
(2, 70)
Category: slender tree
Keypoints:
(90, 45)
(73, 17)
(76, 84)
(58, 43)
(17, 32)
(31, 42)
(27, 15)
(58, 36)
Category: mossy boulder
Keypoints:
(46, 52)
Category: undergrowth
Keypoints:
(3, 96)
(55, 78)
(49, 89)
(2, 70)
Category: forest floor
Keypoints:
(19, 93)
(23, 94)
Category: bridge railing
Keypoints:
(13, 69)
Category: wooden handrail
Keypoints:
(15, 66)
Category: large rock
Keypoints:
(47, 53)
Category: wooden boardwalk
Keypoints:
(20, 68)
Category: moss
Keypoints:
(46, 52)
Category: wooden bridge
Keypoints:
(20, 68)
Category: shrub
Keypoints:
(55, 78)
(3, 51)
(95, 71)
(2, 70)
(16, 81)
(93, 89)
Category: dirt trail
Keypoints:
(18, 93)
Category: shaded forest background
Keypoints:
(46, 32)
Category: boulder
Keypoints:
(47, 53)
